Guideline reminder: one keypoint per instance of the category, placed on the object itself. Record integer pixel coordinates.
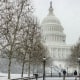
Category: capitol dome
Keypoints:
(52, 29)
(51, 19)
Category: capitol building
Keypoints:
(55, 39)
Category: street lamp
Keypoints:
(44, 61)
(51, 70)
(79, 67)
(67, 70)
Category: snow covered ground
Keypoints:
(57, 78)
(3, 76)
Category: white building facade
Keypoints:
(55, 39)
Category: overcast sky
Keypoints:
(67, 11)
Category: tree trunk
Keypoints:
(9, 68)
(33, 69)
(29, 68)
(22, 69)
(23, 65)
(37, 67)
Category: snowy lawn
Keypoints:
(57, 78)
(3, 76)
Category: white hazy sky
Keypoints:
(67, 11)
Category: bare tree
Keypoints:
(20, 57)
(33, 49)
(20, 33)
(38, 52)
(12, 16)
(75, 54)
(29, 39)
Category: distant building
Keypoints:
(55, 39)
